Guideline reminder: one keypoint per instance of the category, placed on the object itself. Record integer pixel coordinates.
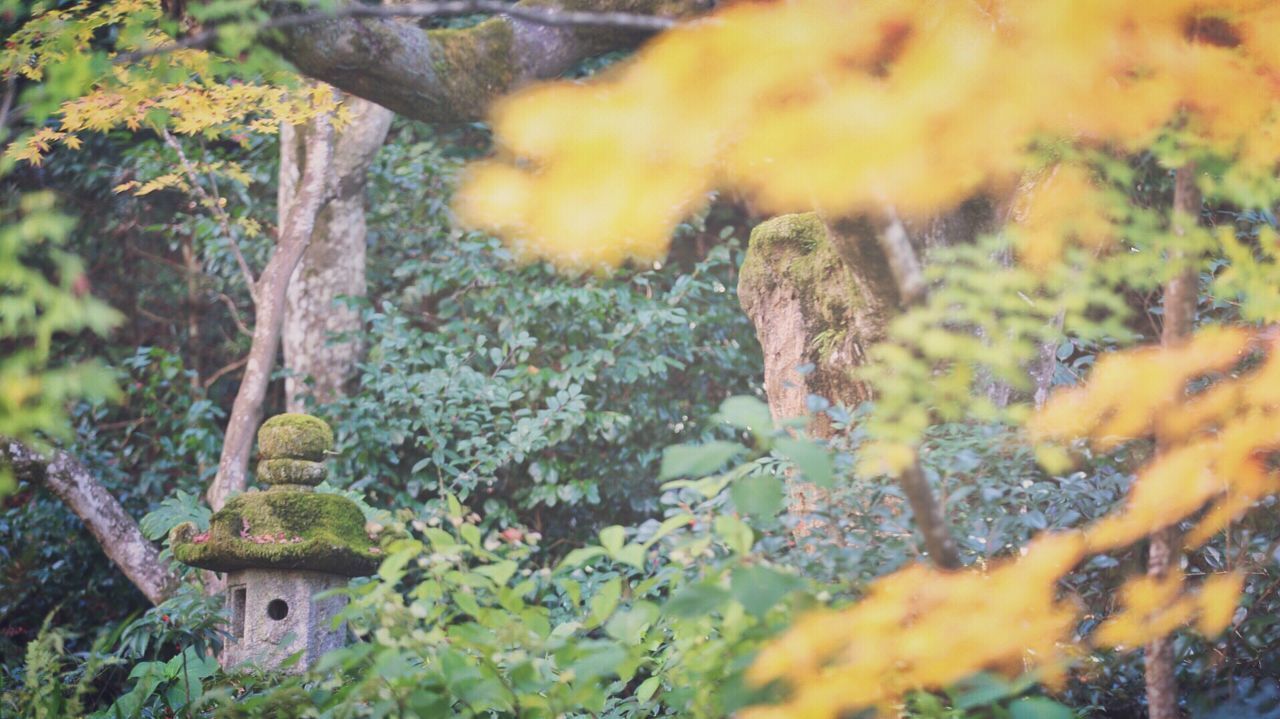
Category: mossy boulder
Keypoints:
(295, 436)
(281, 530)
(291, 471)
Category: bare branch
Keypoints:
(225, 371)
(902, 258)
(235, 314)
(117, 532)
(215, 205)
(550, 17)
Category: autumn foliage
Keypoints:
(882, 107)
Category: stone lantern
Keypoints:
(282, 546)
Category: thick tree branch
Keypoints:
(116, 531)
(452, 75)
(549, 16)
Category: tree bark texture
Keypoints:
(272, 289)
(1164, 552)
(116, 532)
(452, 75)
(818, 293)
(333, 264)
(814, 314)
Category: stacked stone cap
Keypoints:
(292, 449)
(290, 526)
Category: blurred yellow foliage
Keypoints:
(921, 627)
(853, 106)
(1215, 406)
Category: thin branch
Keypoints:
(903, 262)
(552, 17)
(235, 314)
(225, 371)
(219, 212)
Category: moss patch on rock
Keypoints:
(291, 471)
(295, 436)
(282, 530)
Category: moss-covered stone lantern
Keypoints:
(282, 546)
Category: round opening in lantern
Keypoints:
(277, 609)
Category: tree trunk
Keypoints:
(334, 263)
(272, 289)
(1180, 296)
(116, 532)
(819, 293)
(814, 314)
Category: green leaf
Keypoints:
(1039, 708)
(579, 556)
(758, 588)
(598, 660)
(735, 533)
(647, 688)
(604, 602)
(980, 690)
(812, 459)
(611, 538)
(499, 572)
(747, 413)
(440, 539)
(696, 600)
(697, 460)
(398, 556)
(760, 495)
(181, 507)
(629, 626)
(632, 554)
(668, 526)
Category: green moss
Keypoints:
(295, 436)
(474, 64)
(799, 249)
(282, 530)
(291, 471)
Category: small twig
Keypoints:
(553, 17)
(134, 249)
(225, 370)
(153, 316)
(219, 212)
(235, 314)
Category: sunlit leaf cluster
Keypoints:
(132, 81)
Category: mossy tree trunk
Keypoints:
(815, 313)
(333, 265)
(820, 292)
